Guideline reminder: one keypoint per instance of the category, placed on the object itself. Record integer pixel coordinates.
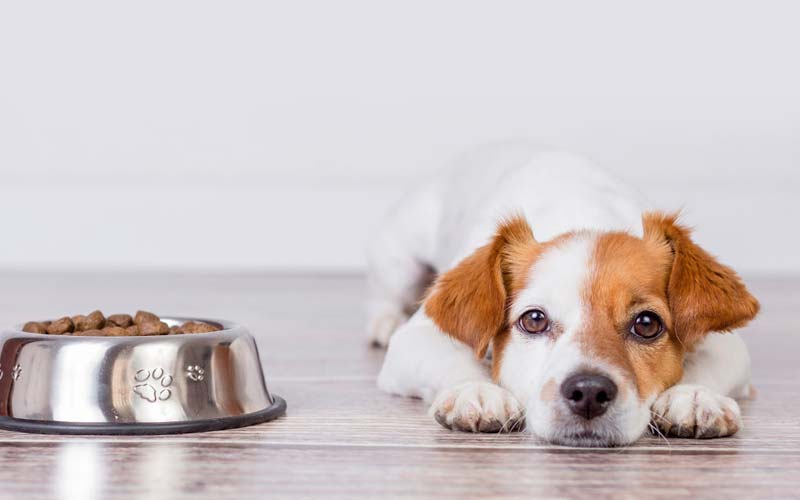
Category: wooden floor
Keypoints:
(342, 438)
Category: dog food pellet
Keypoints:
(121, 320)
(95, 324)
(34, 327)
(196, 327)
(88, 333)
(145, 317)
(96, 319)
(60, 326)
(93, 321)
(114, 331)
(153, 328)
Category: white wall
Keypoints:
(272, 134)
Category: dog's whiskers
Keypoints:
(655, 430)
(513, 423)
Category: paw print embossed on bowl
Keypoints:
(195, 373)
(153, 385)
(136, 385)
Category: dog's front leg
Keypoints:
(702, 404)
(424, 362)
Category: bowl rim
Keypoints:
(227, 326)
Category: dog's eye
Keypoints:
(647, 325)
(534, 321)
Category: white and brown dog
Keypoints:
(603, 322)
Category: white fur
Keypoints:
(689, 410)
(720, 363)
(528, 361)
(422, 360)
(699, 406)
(477, 407)
(456, 213)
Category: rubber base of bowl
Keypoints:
(277, 409)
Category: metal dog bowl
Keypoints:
(133, 385)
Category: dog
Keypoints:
(527, 287)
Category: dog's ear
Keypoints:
(469, 301)
(704, 295)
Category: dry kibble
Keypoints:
(121, 320)
(197, 327)
(95, 324)
(93, 332)
(145, 317)
(60, 326)
(77, 322)
(93, 321)
(34, 327)
(114, 331)
(153, 328)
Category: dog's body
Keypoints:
(601, 317)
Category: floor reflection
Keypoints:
(81, 471)
(163, 465)
(90, 470)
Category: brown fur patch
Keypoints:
(469, 301)
(499, 344)
(704, 295)
(665, 272)
(630, 276)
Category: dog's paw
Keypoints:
(382, 325)
(692, 411)
(477, 407)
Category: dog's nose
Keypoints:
(588, 395)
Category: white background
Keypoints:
(238, 135)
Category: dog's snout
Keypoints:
(588, 395)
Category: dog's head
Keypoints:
(588, 328)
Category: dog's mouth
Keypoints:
(585, 439)
(586, 435)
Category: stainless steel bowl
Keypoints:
(133, 385)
